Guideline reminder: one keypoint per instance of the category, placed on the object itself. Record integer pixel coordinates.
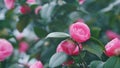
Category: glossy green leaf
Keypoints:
(112, 62)
(23, 22)
(96, 64)
(94, 47)
(57, 35)
(57, 59)
(40, 32)
(47, 10)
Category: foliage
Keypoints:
(44, 31)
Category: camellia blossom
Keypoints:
(81, 1)
(9, 3)
(6, 49)
(113, 47)
(24, 9)
(23, 46)
(111, 35)
(79, 32)
(38, 9)
(37, 64)
(69, 47)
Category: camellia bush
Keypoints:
(59, 33)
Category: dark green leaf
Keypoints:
(112, 62)
(23, 22)
(95, 31)
(40, 32)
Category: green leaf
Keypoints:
(112, 62)
(40, 32)
(57, 35)
(95, 31)
(47, 10)
(96, 64)
(23, 22)
(57, 59)
(95, 47)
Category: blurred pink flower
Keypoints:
(113, 47)
(23, 46)
(6, 49)
(81, 1)
(79, 32)
(38, 9)
(69, 47)
(111, 35)
(31, 1)
(9, 4)
(37, 64)
(24, 9)
(19, 37)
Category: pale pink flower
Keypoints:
(113, 47)
(81, 1)
(38, 9)
(19, 37)
(31, 1)
(69, 47)
(79, 32)
(6, 49)
(9, 3)
(37, 64)
(111, 35)
(23, 46)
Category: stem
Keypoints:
(83, 62)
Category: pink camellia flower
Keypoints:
(23, 46)
(31, 1)
(81, 1)
(37, 64)
(38, 9)
(69, 47)
(9, 3)
(80, 32)
(24, 9)
(113, 47)
(111, 35)
(6, 49)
